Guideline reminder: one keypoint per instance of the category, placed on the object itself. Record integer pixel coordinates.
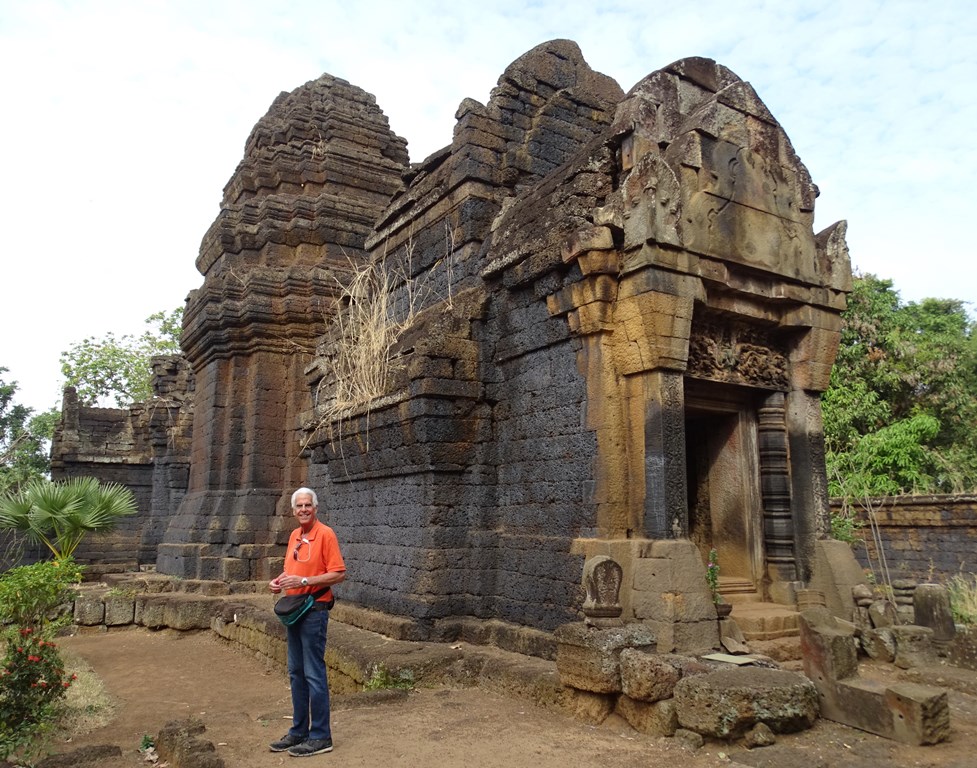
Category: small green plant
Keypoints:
(382, 678)
(126, 592)
(146, 743)
(712, 576)
(32, 683)
(61, 514)
(963, 598)
(845, 525)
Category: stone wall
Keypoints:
(923, 537)
(460, 494)
(144, 447)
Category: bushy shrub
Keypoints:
(32, 682)
(30, 595)
(32, 676)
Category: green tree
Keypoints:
(61, 514)
(118, 368)
(899, 415)
(24, 438)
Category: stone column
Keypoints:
(778, 525)
(666, 509)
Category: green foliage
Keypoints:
(712, 575)
(32, 683)
(31, 594)
(61, 514)
(382, 678)
(119, 368)
(899, 415)
(963, 598)
(845, 525)
(23, 439)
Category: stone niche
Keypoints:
(614, 321)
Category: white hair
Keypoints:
(305, 492)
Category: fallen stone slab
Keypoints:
(906, 712)
(730, 702)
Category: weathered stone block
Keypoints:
(234, 569)
(150, 611)
(963, 648)
(880, 644)
(914, 646)
(89, 610)
(119, 610)
(920, 713)
(835, 573)
(883, 613)
(189, 613)
(931, 608)
(588, 706)
(588, 658)
(646, 676)
(828, 649)
(657, 718)
(730, 702)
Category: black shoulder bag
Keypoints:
(291, 608)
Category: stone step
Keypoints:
(765, 621)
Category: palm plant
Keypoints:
(61, 514)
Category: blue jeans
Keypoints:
(307, 676)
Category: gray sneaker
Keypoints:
(285, 742)
(311, 747)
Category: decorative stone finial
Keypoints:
(602, 579)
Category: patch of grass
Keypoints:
(963, 597)
(382, 679)
(86, 706)
(127, 592)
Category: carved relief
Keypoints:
(736, 353)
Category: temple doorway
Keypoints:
(722, 465)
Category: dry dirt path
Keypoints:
(156, 677)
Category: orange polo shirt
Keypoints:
(313, 554)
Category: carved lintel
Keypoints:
(737, 353)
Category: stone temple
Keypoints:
(610, 321)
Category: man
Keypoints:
(313, 562)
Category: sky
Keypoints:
(123, 121)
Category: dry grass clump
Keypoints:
(86, 705)
(365, 331)
(963, 597)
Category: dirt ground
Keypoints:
(156, 677)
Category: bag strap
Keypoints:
(318, 593)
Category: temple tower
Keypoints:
(318, 169)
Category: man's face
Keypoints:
(304, 510)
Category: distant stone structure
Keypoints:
(145, 447)
(618, 322)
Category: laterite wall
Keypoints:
(923, 537)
